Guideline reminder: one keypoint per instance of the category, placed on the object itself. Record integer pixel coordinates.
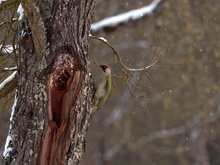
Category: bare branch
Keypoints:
(120, 59)
(8, 85)
(164, 133)
(9, 5)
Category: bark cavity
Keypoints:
(59, 82)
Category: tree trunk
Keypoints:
(55, 89)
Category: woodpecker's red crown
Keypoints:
(105, 67)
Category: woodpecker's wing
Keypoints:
(102, 92)
(107, 87)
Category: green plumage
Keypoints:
(103, 90)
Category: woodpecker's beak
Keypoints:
(98, 64)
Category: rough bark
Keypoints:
(52, 114)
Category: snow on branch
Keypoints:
(8, 79)
(11, 69)
(20, 12)
(7, 49)
(125, 17)
(8, 144)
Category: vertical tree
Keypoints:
(51, 113)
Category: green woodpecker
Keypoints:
(104, 87)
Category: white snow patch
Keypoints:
(20, 12)
(7, 148)
(13, 107)
(8, 79)
(9, 138)
(103, 39)
(7, 49)
(11, 69)
(125, 17)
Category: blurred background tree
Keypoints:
(178, 99)
(179, 95)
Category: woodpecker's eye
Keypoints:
(104, 67)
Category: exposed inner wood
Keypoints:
(64, 84)
(59, 81)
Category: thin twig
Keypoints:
(134, 105)
(120, 59)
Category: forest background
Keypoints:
(171, 112)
